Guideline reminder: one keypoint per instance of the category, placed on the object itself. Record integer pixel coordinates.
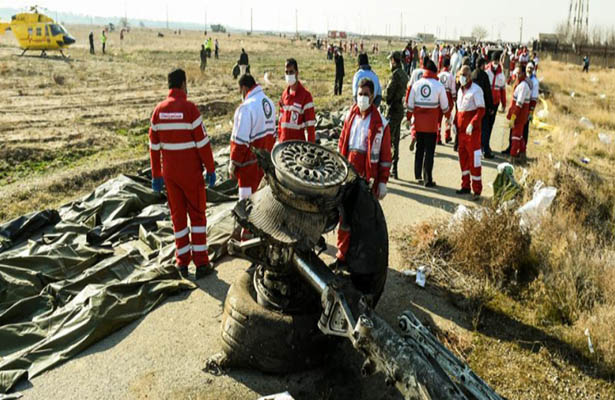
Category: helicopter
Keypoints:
(36, 31)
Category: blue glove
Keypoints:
(211, 179)
(157, 184)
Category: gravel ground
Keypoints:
(162, 355)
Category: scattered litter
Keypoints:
(589, 341)
(603, 96)
(586, 123)
(542, 114)
(219, 126)
(573, 94)
(536, 142)
(11, 396)
(278, 396)
(593, 79)
(531, 212)
(585, 160)
(605, 138)
(421, 276)
(266, 78)
(558, 165)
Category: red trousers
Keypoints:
(343, 241)
(517, 145)
(249, 177)
(188, 198)
(470, 160)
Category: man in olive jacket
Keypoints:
(395, 93)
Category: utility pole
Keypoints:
(167, 16)
(521, 31)
(251, 19)
(296, 23)
(401, 25)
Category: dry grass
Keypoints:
(64, 119)
(558, 281)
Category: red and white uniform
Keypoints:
(297, 115)
(178, 135)
(520, 107)
(254, 126)
(497, 80)
(426, 101)
(366, 144)
(443, 55)
(470, 110)
(535, 92)
(448, 81)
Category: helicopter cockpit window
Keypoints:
(57, 29)
(39, 31)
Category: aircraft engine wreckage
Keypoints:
(288, 309)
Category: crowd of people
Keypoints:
(456, 89)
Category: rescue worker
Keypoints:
(216, 49)
(497, 81)
(480, 77)
(254, 126)
(339, 72)
(394, 99)
(365, 71)
(427, 102)
(505, 62)
(366, 143)
(178, 135)
(586, 64)
(209, 44)
(518, 115)
(535, 86)
(203, 58)
(243, 62)
(103, 40)
(448, 81)
(470, 112)
(297, 116)
(91, 37)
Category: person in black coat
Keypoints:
(480, 77)
(339, 72)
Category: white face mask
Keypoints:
(363, 102)
(463, 80)
(291, 79)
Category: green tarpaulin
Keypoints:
(70, 277)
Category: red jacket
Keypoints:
(178, 134)
(253, 126)
(297, 115)
(470, 109)
(497, 80)
(520, 106)
(375, 162)
(427, 101)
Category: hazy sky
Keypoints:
(446, 18)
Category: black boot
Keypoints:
(463, 191)
(203, 270)
(183, 271)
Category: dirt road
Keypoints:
(162, 355)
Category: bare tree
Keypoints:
(479, 32)
(562, 29)
(597, 35)
(124, 22)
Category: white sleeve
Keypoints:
(443, 100)
(479, 98)
(242, 126)
(410, 105)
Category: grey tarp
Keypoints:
(70, 277)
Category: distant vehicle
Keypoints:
(36, 31)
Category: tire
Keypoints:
(272, 342)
